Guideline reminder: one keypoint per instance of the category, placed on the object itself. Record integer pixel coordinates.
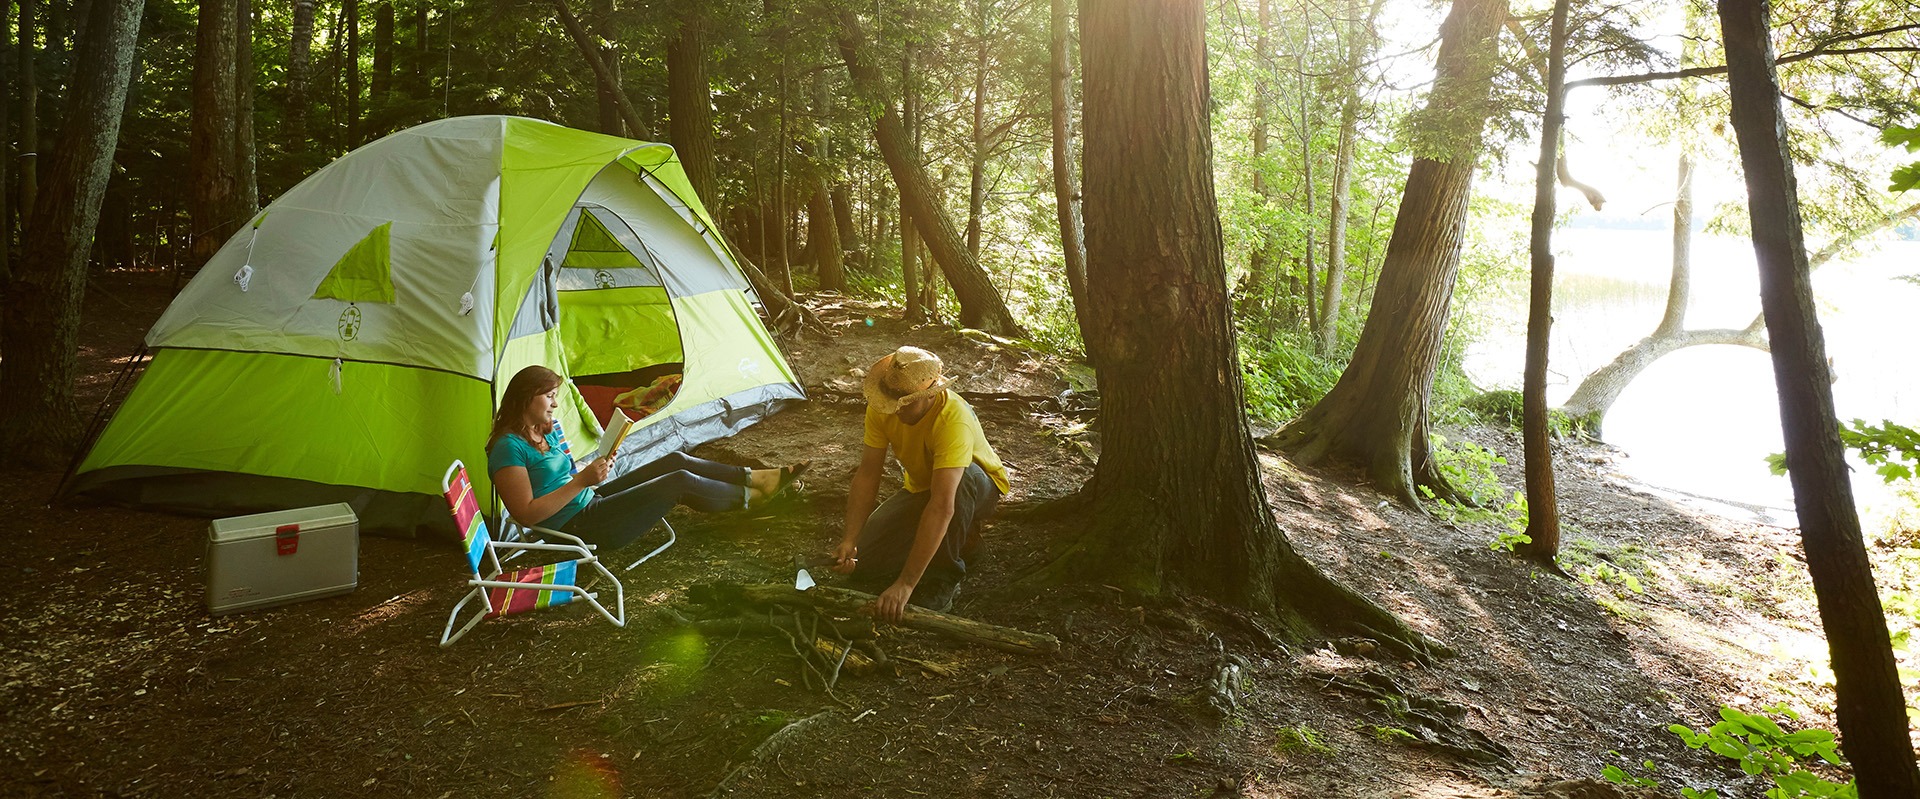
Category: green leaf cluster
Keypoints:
(1892, 449)
(1906, 177)
(1764, 748)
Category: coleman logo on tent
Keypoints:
(602, 279)
(349, 326)
(748, 368)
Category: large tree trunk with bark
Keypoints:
(1869, 706)
(1177, 507)
(608, 95)
(690, 108)
(1375, 417)
(382, 82)
(1066, 190)
(39, 419)
(981, 306)
(823, 237)
(914, 313)
(213, 144)
(1543, 503)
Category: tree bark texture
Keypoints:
(841, 195)
(1066, 189)
(823, 237)
(299, 75)
(1680, 285)
(29, 190)
(1543, 504)
(1256, 300)
(690, 108)
(1176, 506)
(1375, 417)
(39, 418)
(1869, 706)
(914, 312)
(212, 145)
(981, 306)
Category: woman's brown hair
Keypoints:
(530, 382)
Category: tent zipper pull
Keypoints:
(333, 372)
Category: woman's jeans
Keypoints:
(626, 507)
(888, 535)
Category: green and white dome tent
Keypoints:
(354, 338)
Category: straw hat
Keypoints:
(896, 380)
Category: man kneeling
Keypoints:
(921, 537)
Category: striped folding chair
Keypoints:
(516, 530)
(503, 593)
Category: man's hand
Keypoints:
(844, 557)
(595, 472)
(892, 602)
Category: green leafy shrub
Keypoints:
(1283, 377)
(1468, 467)
(1764, 748)
(1893, 450)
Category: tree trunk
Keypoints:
(1543, 504)
(977, 164)
(782, 263)
(823, 238)
(247, 188)
(39, 418)
(1869, 706)
(350, 20)
(29, 191)
(213, 141)
(1306, 181)
(1680, 285)
(608, 94)
(1376, 415)
(602, 72)
(1359, 36)
(915, 313)
(842, 196)
(299, 75)
(1066, 190)
(382, 83)
(690, 108)
(981, 306)
(1177, 507)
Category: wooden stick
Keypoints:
(844, 600)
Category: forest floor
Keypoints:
(116, 682)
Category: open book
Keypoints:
(617, 429)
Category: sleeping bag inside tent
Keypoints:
(353, 339)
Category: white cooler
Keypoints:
(270, 559)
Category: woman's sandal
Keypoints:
(788, 475)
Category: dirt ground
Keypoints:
(115, 681)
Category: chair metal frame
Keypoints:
(583, 552)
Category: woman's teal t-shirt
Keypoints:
(546, 471)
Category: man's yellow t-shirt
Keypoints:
(948, 437)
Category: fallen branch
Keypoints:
(848, 601)
(768, 748)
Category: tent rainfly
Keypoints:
(354, 338)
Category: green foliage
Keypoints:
(1906, 177)
(1506, 408)
(1764, 748)
(1893, 450)
(1469, 468)
(1284, 377)
(1301, 739)
(1390, 734)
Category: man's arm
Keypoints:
(926, 541)
(860, 501)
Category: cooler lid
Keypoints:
(318, 517)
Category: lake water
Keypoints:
(1701, 421)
